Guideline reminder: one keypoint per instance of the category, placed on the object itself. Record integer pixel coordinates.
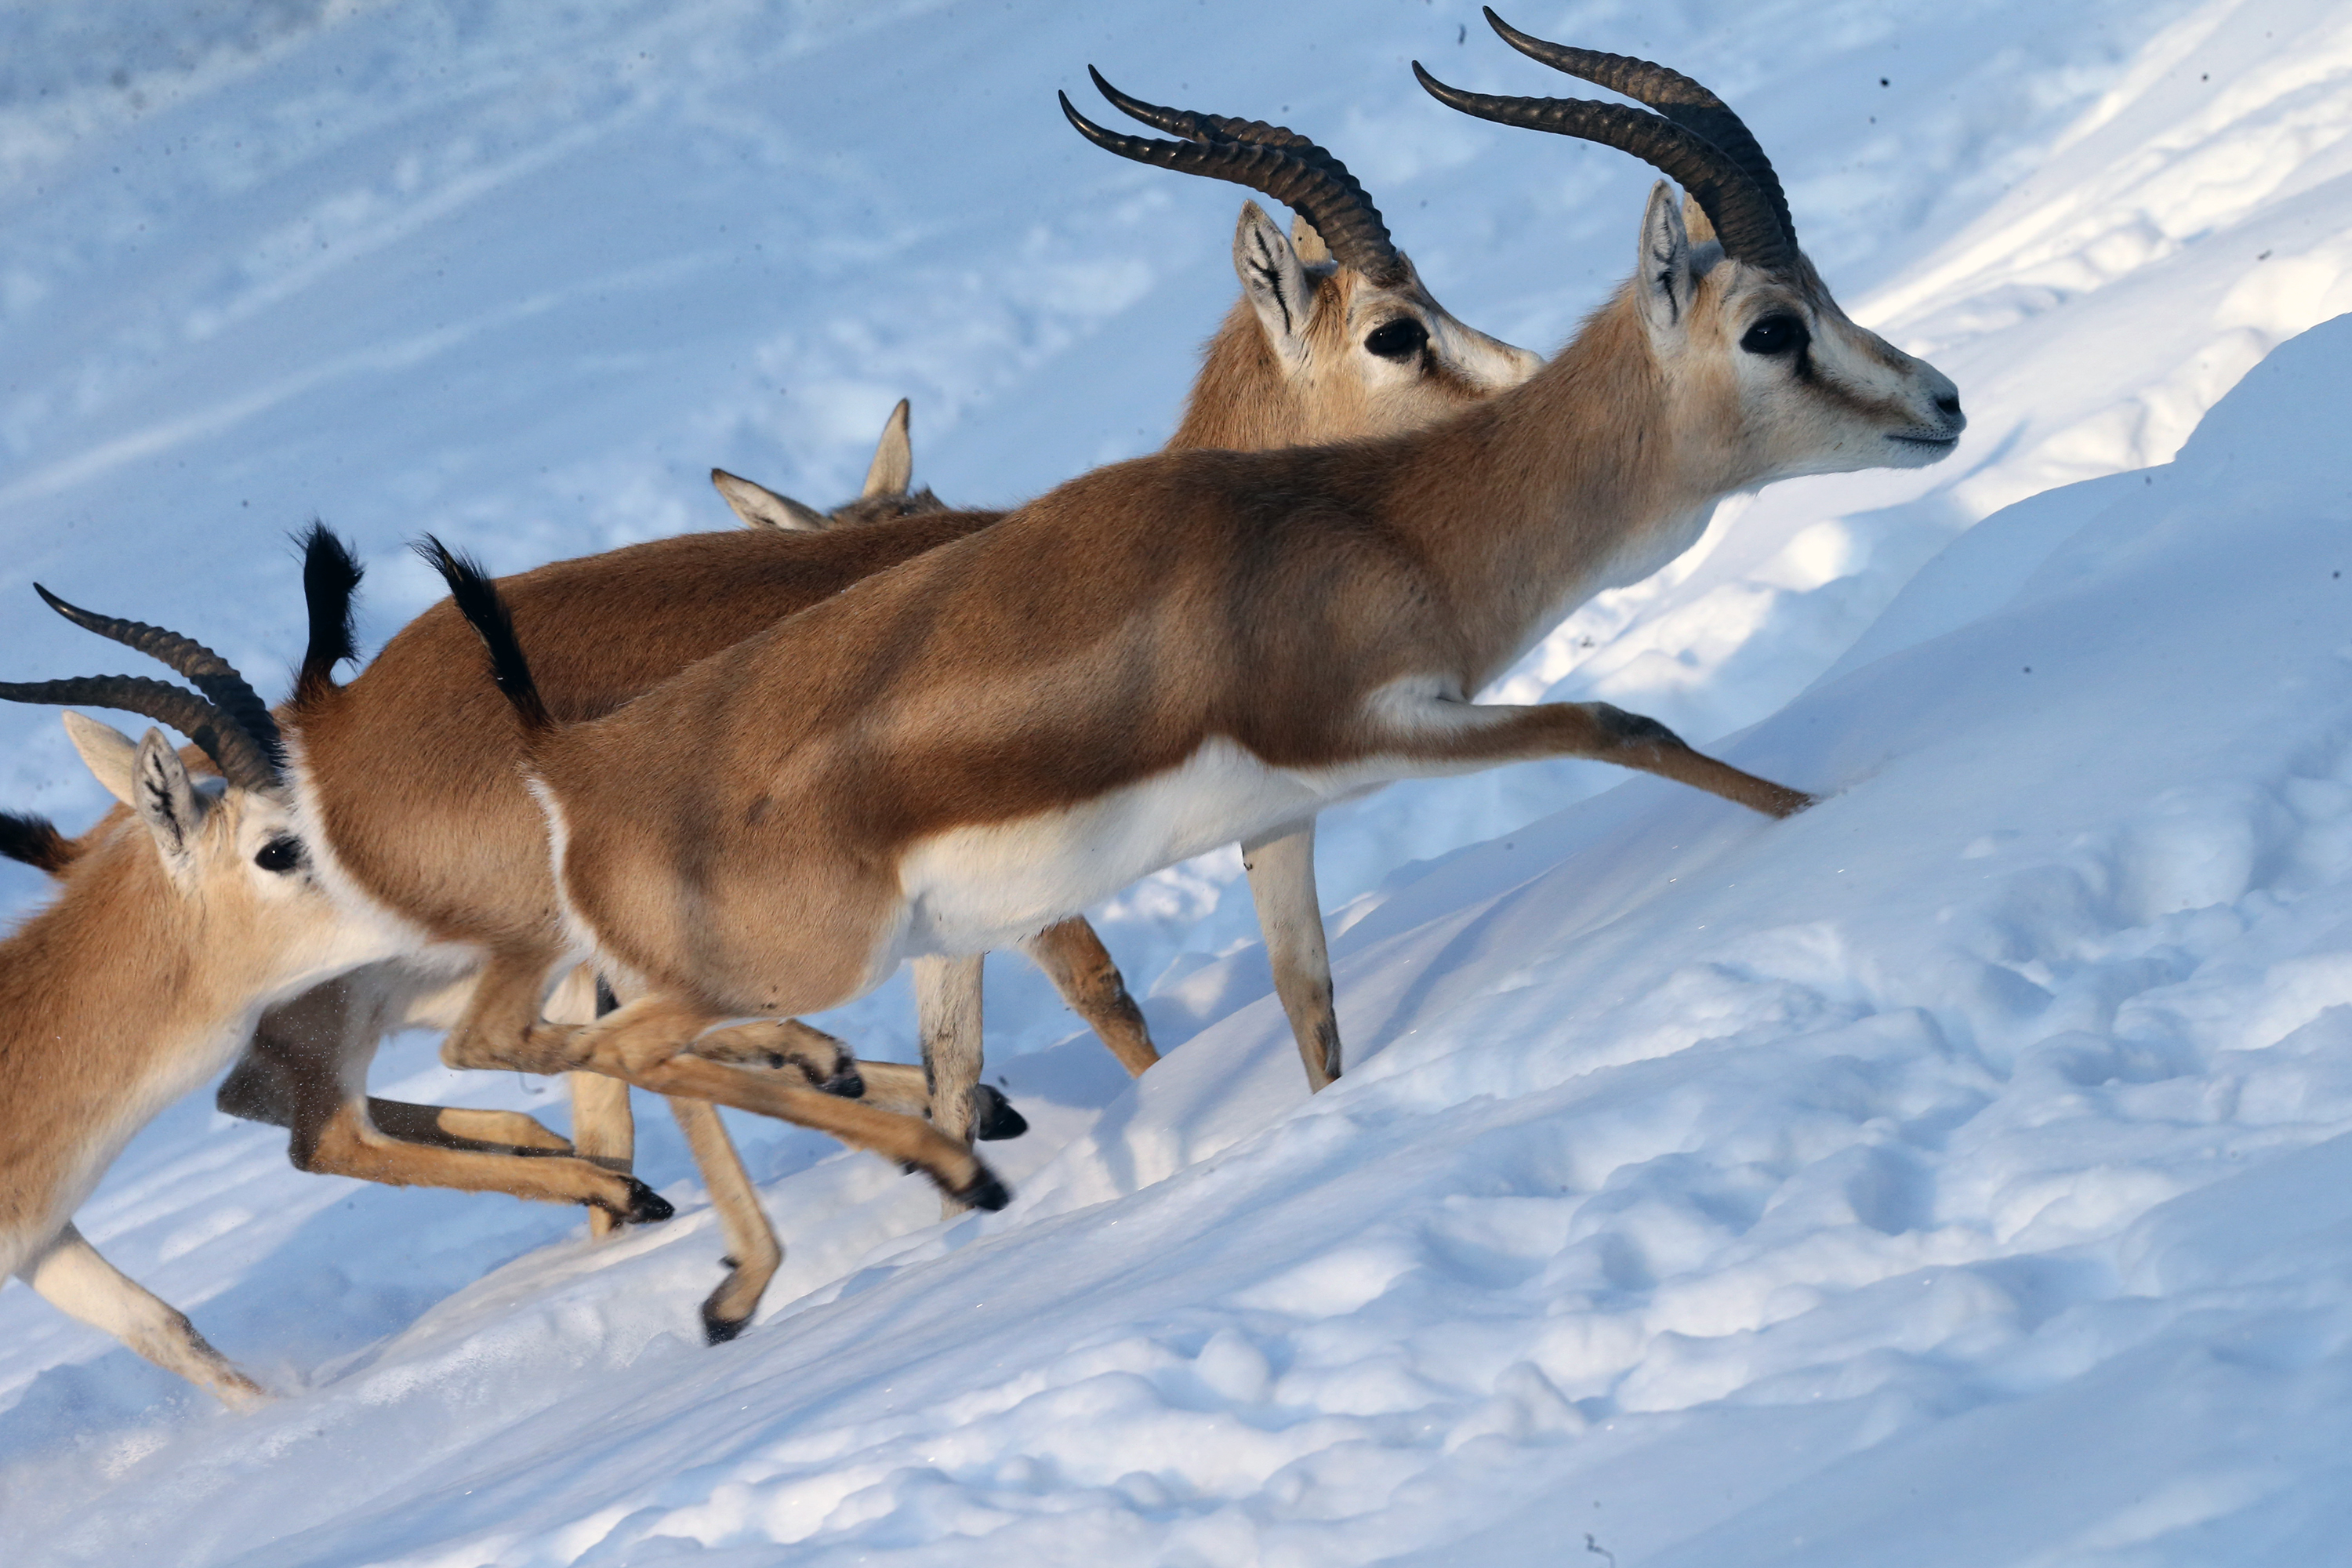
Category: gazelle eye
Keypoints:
(1775, 335)
(282, 853)
(1398, 339)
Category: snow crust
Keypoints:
(1953, 1175)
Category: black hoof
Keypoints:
(985, 1192)
(848, 1083)
(646, 1207)
(718, 1330)
(993, 1116)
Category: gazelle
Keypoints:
(885, 495)
(169, 933)
(1338, 338)
(1186, 649)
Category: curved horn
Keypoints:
(206, 670)
(1743, 219)
(1672, 94)
(1270, 159)
(240, 759)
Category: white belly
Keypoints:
(970, 890)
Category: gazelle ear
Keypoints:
(1277, 285)
(893, 468)
(168, 804)
(1308, 244)
(1696, 223)
(1661, 278)
(761, 507)
(106, 750)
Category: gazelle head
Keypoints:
(886, 494)
(227, 853)
(1758, 363)
(1335, 336)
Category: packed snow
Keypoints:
(1953, 1175)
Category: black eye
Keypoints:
(1400, 338)
(282, 855)
(1775, 335)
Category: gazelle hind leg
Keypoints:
(649, 1042)
(754, 1253)
(1080, 967)
(1282, 884)
(895, 1086)
(948, 1014)
(72, 1278)
(603, 1127)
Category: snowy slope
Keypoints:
(1950, 1174)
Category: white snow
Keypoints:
(1954, 1174)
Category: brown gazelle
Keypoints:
(455, 857)
(1179, 651)
(885, 493)
(169, 933)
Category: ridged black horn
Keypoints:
(1744, 221)
(205, 669)
(1672, 94)
(235, 752)
(1273, 159)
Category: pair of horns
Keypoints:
(229, 720)
(1693, 139)
(1272, 160)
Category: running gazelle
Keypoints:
(1180, 651)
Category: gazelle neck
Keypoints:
(1581, 479)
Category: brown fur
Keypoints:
(737, 839)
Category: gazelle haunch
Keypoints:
(1187, 649)
(168, 935)
(456, 858)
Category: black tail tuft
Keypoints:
(479, 601)
(37, 842)
(330, 576)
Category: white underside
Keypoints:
(973, 890)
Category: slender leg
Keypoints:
(1447, 737)
(1282, 882)
(894, 1086)
(338, 1140)
(1080, 967)
(306, 1069)
(456, 1127)
(948, 1012)
(75, 1279)
(819, 1057)
(647, 1043)
(754, 1253)
(603, 1127)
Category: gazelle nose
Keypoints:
(1948, 405)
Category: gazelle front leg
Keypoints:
(1449, 736)
(75, 1279)
(1282, 884)
(1080, 967)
